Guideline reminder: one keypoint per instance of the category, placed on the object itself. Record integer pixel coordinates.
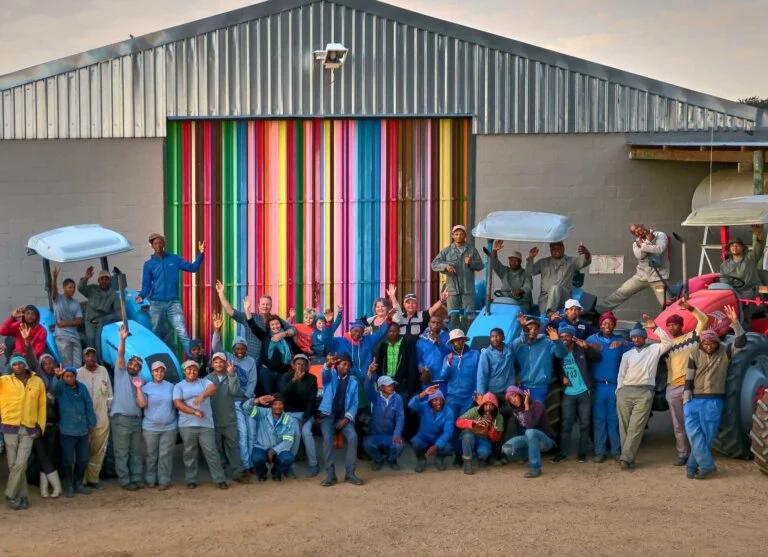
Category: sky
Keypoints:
(716, 47)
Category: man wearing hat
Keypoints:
(537, 436)
(436, 427)
(96, 380)
(36, 335)
(705, 393)
(460, 373)
(459, 262)
(385, 439)
(636, 383)
(125, 419)
(535, 355)
(22, 418)
(299, 392)
(573, 310)
(337, 412)
(412, 321)
(651, 249)
(557, 272)
(515, 282)
(103, 304)
(276, 434)
(160, 285)
(742, 265)
(605, 371)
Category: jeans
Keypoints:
(18, 447)
(529, 446)
(538, 393)
(281, 463)
(306, 437)
(702, 418)
(328, 427)
(674, 396)
(382, 447)
(127, 444)
(632, 286)
(204, 438)
(171, 312)
(421, 444)
(74, 457)
(268, 380)
(244, 435)
(605, 420)
(159, 445)
(227, 443)
(70, 352)
(472, 444)
(573, 405)
(634, 407)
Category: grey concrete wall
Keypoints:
(52, 183)
(590, 178)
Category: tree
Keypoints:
(756, 101)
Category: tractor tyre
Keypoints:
(759, 434)
(748, 370)
(552, 404)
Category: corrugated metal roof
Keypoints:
(257, 62)
(720, 138)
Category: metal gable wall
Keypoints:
(264, 68)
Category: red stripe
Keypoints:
(291, 220)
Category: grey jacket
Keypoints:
(463, 280)
(746, 269)
(557, 272)
(648, 251)
(513, 280)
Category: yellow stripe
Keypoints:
(282, 212)
(327, 209)
(445, 185)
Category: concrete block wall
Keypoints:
(590, 178)
(46, 184)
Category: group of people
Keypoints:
(395, 377)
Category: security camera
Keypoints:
(333, 56)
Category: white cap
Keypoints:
(572, 304)
(456, 334)
(517, 255)
(158, 365)
(385, 380)
(458, 227)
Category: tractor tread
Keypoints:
(759, 434)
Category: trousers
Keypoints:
(573, 407)
(674, 396)
(97, 448)
(702, 418)
(128, 445)
(18, 447)
(159, 447)
(529, 446)
(632, 286)
(204, 438)
(605, 420)
(171, 312)
(328, 427)
(634, 407)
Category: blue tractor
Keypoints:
(82, 242)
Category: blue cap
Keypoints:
(16, 359)
(638, 332)
(343, 356)
(356, 325)
(71, 369)
(566, 329)
(239, 340)
(195, 343)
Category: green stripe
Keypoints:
(173, 186)
(227, 220)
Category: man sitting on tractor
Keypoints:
(739, 269)
(515, 282)
(705, 392)
(557, 272)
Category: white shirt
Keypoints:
(638, 365)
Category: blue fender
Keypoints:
(143, 342)
(135, 311)
(503, 316)
(48, 320)
(479, 294)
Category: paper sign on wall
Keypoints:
(607, 265)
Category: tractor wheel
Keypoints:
(759, 434)
(552, 404)
(747, 372)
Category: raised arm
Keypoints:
(659, 246)
(438, 304)
(225, 305)
(55, 282)
(217, 322)
(120, 364)
(532, 267)
(192, 267)
(82, 284)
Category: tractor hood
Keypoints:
(736, 211)
(77, 243)
(524, 226)
(711, 302)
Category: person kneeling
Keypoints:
(276, 432)
(531, 415)
(433, 439)
(386, 439)
(482, 426)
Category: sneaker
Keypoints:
(690, 474)
(599, 459)
(581, 458)
(468, 467)
(393, 465)
(702, 475)
(243, 479)
(559, 458)
(681, 461)
(313, 471)
(222, 485)
(376, 466)
(421, 465)
(23, 503)
(532, 473)
(130, 487)
(329, 481)
(353, 479)
(12, 503)
(440, 463)
(191, 485)
(624, 465)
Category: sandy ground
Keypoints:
(573, 509)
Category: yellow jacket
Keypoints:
(22, 405)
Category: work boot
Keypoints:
(681, 461)
(93, 485)
(690, 474)
(80, 489)
(43, 485)
(130, 487)
(559, 458)
(23, 503)
(69, 489)
(468, 467)
(353, 479)
(532, 473)
(599, 458)
(421, 465)
(440, 463)
(376, 465)
(393, 465)
(313, 471)
(55, 483)
(329, 480)
(222, 485)
(702, 475)
(12, 503)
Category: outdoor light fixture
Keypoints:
(333, 56)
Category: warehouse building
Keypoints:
(324, 148)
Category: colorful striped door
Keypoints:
(313, 212)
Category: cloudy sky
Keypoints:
(712, 46)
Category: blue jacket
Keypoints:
(387, 419)
(461, 376)
(319, 338)
(431, 355)
(606, 369)
(160, 277)
(245, 368)
(535, 361)
(361, 353)
(495, 370)
(434, 427)
(330, 384)
(280, 437)
(76, 415)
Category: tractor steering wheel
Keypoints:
(736, 282)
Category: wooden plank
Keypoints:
(689, 155)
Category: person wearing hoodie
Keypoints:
(276, 434)
(481, 426)
(535, 355)
(496, 366)
(247, 373)
(22, 418)
(537, 436)
(337, 412)
(36, 335)
(299, 392)
(324, 328)
(76, 419)
(436, 427)
(460, 372)
(385, 441)
(577, 392)
(604, 372)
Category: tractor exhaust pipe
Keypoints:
(685, 263)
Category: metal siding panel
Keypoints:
(51, 111)
(161, 110)
(9, 114)
(105, 93)
(84, 94)
(94, 93)
(62, 97)
(130, 112)
(171, 79)
(30, 117)
(20, 112)
(73, 96)
(117, 98)
(41, 109)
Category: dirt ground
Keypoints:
(573, 509)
